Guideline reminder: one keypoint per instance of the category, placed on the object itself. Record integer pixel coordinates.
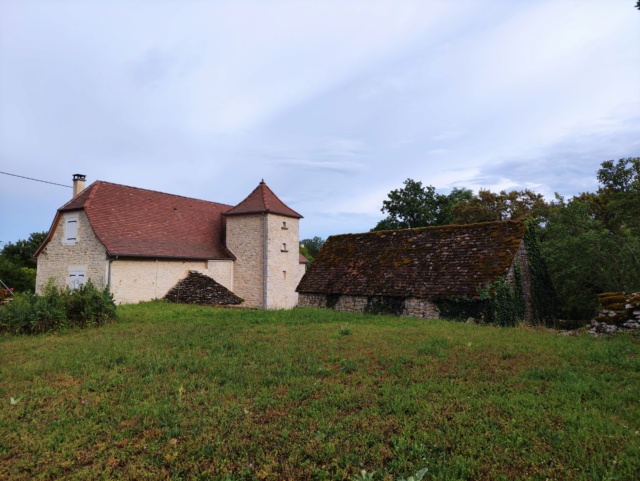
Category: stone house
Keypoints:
(412, 271)
(140, 243)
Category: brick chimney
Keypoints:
(78, 183)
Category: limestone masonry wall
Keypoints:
(283, 262)
(221, 271)
(245, 235)
(137, 280)
(87, 254)
(412, 306)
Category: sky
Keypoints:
(333, 103)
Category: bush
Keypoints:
(57, 308)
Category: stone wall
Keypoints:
(283, 262)
(222, 272)
(57, 259)
(245, 239)
(411, 306)
(137, 280)
(617, 311)
(522, 259)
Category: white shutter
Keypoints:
(71, 230)
(76, 279)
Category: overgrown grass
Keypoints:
(187, 392)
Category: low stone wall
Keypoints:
(617, 311)
(410, 306)
(197, 288)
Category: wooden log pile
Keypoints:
(198, 288)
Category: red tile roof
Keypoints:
(432, 262)
(143, 223)
(263, 200)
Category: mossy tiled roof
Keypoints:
(431, 262)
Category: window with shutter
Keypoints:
(71, 229)
(76, 279)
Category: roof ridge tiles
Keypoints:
(158, 192)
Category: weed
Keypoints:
(344, 330)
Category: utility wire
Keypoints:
(36, 180)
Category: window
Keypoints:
(284, 225)
(70, 229)
(284, 274)
(284, 247)
(76, 279)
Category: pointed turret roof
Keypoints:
(263, 201)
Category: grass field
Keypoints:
(185, 392)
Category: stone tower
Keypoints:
(263, 235)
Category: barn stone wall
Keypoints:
(411, 306)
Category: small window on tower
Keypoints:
(284, 225)
(284, 247)
(284, 274)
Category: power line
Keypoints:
(36, 180)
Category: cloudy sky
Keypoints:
(333, 103)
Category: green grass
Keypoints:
(183, 392)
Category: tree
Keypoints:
(620, 195)
(17, 265)
(488, 207)
(585, 257)
(21, 253)
(417, 206)
(311, 247)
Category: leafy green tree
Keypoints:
(17, 277)
(585, 257)
(488, 206)
(305, 252)
(447, 203)
(311, 247)
(416, 205)
(17, 265)
(21, 253)
(620, 195)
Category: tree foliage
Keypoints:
(21, 253)
(310, 247)
(17, 264)
(585, 257)
(488, 206)
(416, 205)
(619, 195)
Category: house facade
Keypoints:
(411, 271)
(140, 243)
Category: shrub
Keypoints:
(57, 308)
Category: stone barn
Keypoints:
(424, 272)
